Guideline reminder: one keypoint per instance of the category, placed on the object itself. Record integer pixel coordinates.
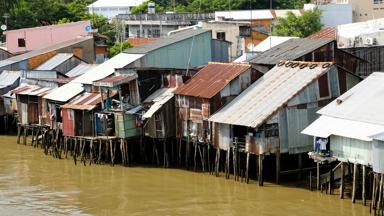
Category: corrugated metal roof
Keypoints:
(364, 102)
(55, 61)
(38, 52)
(107, 68)
(211, 79)
(114, 81)
(289, 50)
(158, 98)
(80, 70)
(86, 101)
(65, 92)
(329, 32)
(8, 78)
(31, 90)
(326, 126)
(267, 95)
(180, 36)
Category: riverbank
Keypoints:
(34, 184)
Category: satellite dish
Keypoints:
(3, 27)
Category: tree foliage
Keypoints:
(298, 26)
(117, 48)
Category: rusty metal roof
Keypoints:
(329, 32)
(271, 92)
(211, 79)
(114, 81)
(32, 90)
(86, 101)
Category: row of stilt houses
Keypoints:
(168, 103)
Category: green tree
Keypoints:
(143, 8)
(298, 26)
(117, 48)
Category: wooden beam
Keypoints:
(354, 184)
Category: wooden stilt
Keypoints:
(227, 161)
(209, 158)
(342, 181)
(194, 155)
(100, 152)
(25, 136)
(18, 133)
(331, 179)
(261, 183)
(201, 158)
(234, 156)
(373, 202)
(247, 169)
(354, 183)
(112, 148)
(217, 162)
(165, 154)
(363, 186)
(277, 166)
(318, 176)
(300, 164)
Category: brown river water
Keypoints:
(34, 184)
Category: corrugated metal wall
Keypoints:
(351, 150)
(177, 55)
(374, 57)
(377, 156)
(220, 51)
(68, 122)
(298, 120)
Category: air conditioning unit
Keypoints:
(369, 41)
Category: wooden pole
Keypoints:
(247, 169)
(18, 133)
(194, 155)
(318, 175)
(354, 183)
(277, 166)
(331, 179)
(227, 163)
(363, 185)
(217, 161)
(342, 181)
(300, 164)
(261, 183)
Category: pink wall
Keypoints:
(40, 37)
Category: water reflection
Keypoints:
(34, 184)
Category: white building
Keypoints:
(333, 14)
(111, 8)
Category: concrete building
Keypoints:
(159, 24)
(363, 10)
(333, 14)
(27, 39)
(111, 8)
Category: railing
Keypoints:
(176, 17)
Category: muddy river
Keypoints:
(34, 184)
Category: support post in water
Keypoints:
(278, 167)
(318, 176)
(261, 183)
(363, 185)
(342, 181)
(354, 184)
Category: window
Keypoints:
(378, 1)
(156, 33)
(220, 35)
(21, 42)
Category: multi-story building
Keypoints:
(111, 9)
(363, 10)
